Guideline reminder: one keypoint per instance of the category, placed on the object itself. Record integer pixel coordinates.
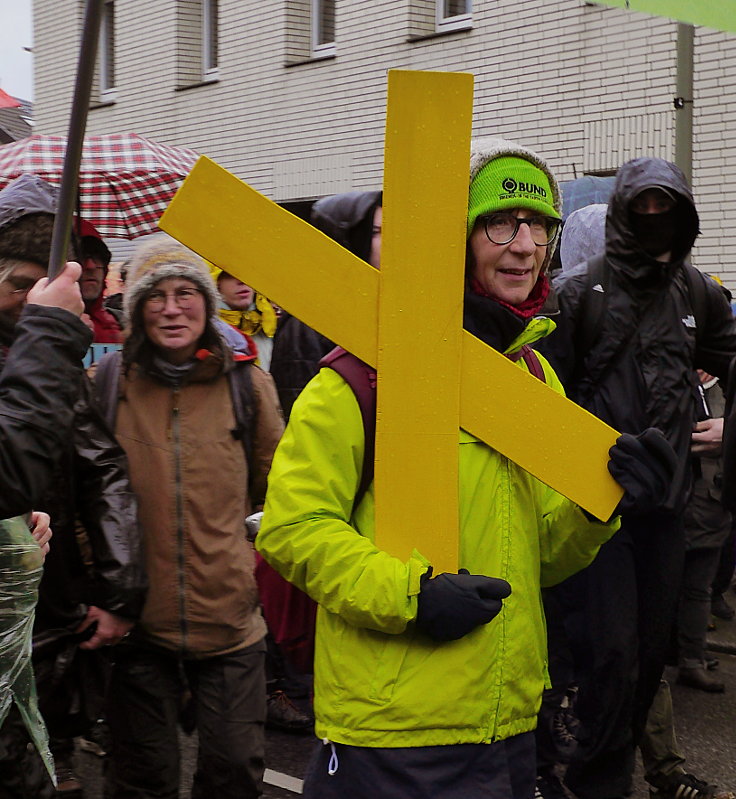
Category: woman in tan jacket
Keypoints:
(199, 424)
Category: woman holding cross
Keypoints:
(429, 685)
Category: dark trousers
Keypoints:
(623, 608)
(229, 695)
(659, 750)
(561, 667)
(727, 561)
(502, 770)
(692, 619)
(23, 774)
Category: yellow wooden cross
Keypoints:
(434, 377)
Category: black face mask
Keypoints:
(655, 233)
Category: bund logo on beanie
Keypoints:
(513, 187)
(509, 182)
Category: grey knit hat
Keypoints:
(159, 257)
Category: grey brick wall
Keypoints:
(586, 86)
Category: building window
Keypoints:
(209, 39)
(197, 42)
(106, 53)
(453, 14)
(323, 27)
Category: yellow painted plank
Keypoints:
(207, 210)
(318, 281)
(231, 224)
(420, 314)
(554, 439)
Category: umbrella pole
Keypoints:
(75, 138)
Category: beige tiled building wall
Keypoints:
(588, 87)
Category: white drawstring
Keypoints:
(334, 763)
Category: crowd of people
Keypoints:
(175, 557)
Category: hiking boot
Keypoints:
(68, 783)
(283, 714)
(684, 786)
(720, 608)
(698, 678)
(549, 786)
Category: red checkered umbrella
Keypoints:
(125, 181)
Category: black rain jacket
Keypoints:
(76, 474)
(91, 490)
(637, 369)
(38, 386)
(58, 455)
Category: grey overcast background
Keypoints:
(16, 65)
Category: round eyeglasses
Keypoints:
(501, 228)
(184, 298)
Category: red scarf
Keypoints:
(531, 305)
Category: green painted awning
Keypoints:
(718, 14)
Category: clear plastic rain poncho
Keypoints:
(21, 566)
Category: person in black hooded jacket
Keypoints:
(41, 348)
(352, 219)
(633, 326)
(81, 605)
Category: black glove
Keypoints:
(451, 605)
(644, 466)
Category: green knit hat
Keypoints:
(510, 181)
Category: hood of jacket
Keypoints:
(583, 236)
(348, 219)
(28, 194)
(92, 243)
(27, 208)
(625, 254)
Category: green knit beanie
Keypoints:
(509, 182)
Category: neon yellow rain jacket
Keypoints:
(378, 681)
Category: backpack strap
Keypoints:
(240, 381)
(531, 359)
(107, 386)
(588, 375)
(593, 306)
(698, 298)
(362, 379)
